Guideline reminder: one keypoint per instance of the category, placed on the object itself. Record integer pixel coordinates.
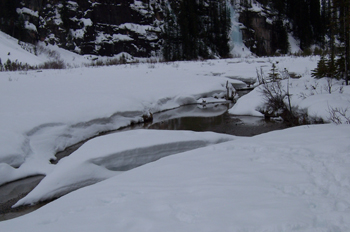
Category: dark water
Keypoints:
(210, 117)
(10, 193)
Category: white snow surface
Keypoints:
(44, 112)
(317, 97)
(11, 50)
(47, 111)
(108, 155)
(25, 10)
(290, 180)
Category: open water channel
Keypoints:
(209, 117)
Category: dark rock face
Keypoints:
(101, 27)
(257, 34)
(109, 27)
(262, 36)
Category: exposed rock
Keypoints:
(97, 26)
(106, 27)
(262, 35)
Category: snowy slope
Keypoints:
(10, 49)
(283, 181)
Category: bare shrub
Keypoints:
(339, 115)
(56, 64)
(14, 66)
(50, 53)
(277, 102)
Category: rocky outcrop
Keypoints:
(109, 27)
(98, 27)
(264, 34)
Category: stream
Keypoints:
(209, 117)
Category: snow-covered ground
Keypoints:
(10, 49)
(317, 97)
(44, 112)
(291, 180)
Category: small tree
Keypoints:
(322, 69)
(277, 101)
(274, 75)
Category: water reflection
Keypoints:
(212, 118)
(209, 117)
(207, 110)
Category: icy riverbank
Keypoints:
(45, 112)
(290, 180)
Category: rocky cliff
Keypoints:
(108, 27)
(95, 27)
(263, 32)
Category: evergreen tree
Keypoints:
(280, 37)
(324, 21)
(11, 22)
(342, 14)
(338, 61)
(316, 21)
(225, 26)
(279, 6)
(21, 27)
(196, 28)
(189, 24)
(171, 36)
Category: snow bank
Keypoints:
(44, 112)
(291, 180)
(248, 105)
(317, 97)
(107, 156)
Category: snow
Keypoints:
(248, 105)
(291, 180)
(25, 10)
(87, 22)
(30, 26)
(294, 44)
(79, 33)
(139, 7)
(107, 156)
(256, 7)
(10, 49)
(44, 112)
(306, 93)
(121, 37)
(102, 37)
(139, 29)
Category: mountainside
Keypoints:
(144, 28)
(91, 27)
